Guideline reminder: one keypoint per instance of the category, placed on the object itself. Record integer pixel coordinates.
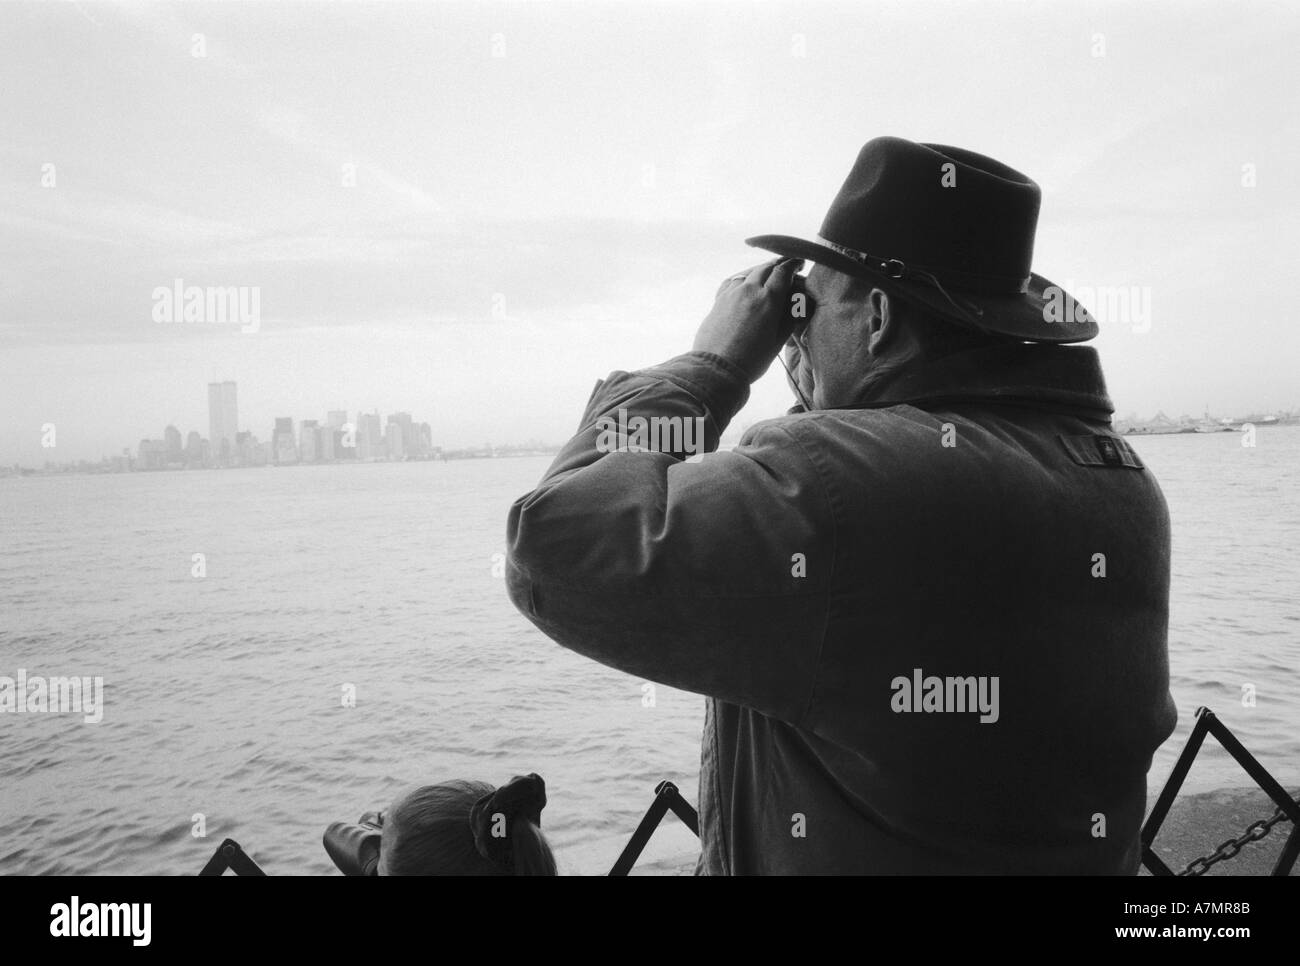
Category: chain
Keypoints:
(1229, 849)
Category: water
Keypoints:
(224, 694)
(1235, 598)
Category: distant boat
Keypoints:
(1162, 425)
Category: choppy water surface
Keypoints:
(224, 693)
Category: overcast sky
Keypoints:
(546, 192)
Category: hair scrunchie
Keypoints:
(521, 797)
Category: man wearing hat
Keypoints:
(928, 606)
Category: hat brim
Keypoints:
(1043, 313)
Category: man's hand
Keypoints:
(750, 320)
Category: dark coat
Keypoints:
(952, 530)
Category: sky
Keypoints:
(471, 212)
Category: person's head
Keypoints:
(858, 337)
(467, 828)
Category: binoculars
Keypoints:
(354, 847)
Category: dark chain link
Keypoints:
(1229, 849)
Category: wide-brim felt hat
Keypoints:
(946, 228)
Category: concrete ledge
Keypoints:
(1197, 824)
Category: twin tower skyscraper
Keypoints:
(223, 419)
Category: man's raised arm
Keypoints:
(711, 576)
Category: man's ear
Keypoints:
(881, 322)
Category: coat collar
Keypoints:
(1053, 378)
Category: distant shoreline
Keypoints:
(96, 469)
(1186, 425)
(112, 466)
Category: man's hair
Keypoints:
(428, 832)
(939, 336)
(935, 335)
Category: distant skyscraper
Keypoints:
(172, 437)
(251, 452)
(223, 420)
(370, 436)
(282, 445)
(336, 418)
(309, 441)
(398, 435)
(153, 454)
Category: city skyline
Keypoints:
(377, 439)
(392, 439)
(309, 440)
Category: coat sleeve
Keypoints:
(712, 576)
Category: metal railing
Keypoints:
(667, 798)
(1287, 807)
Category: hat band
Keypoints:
(964, 281)
(896, 268)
